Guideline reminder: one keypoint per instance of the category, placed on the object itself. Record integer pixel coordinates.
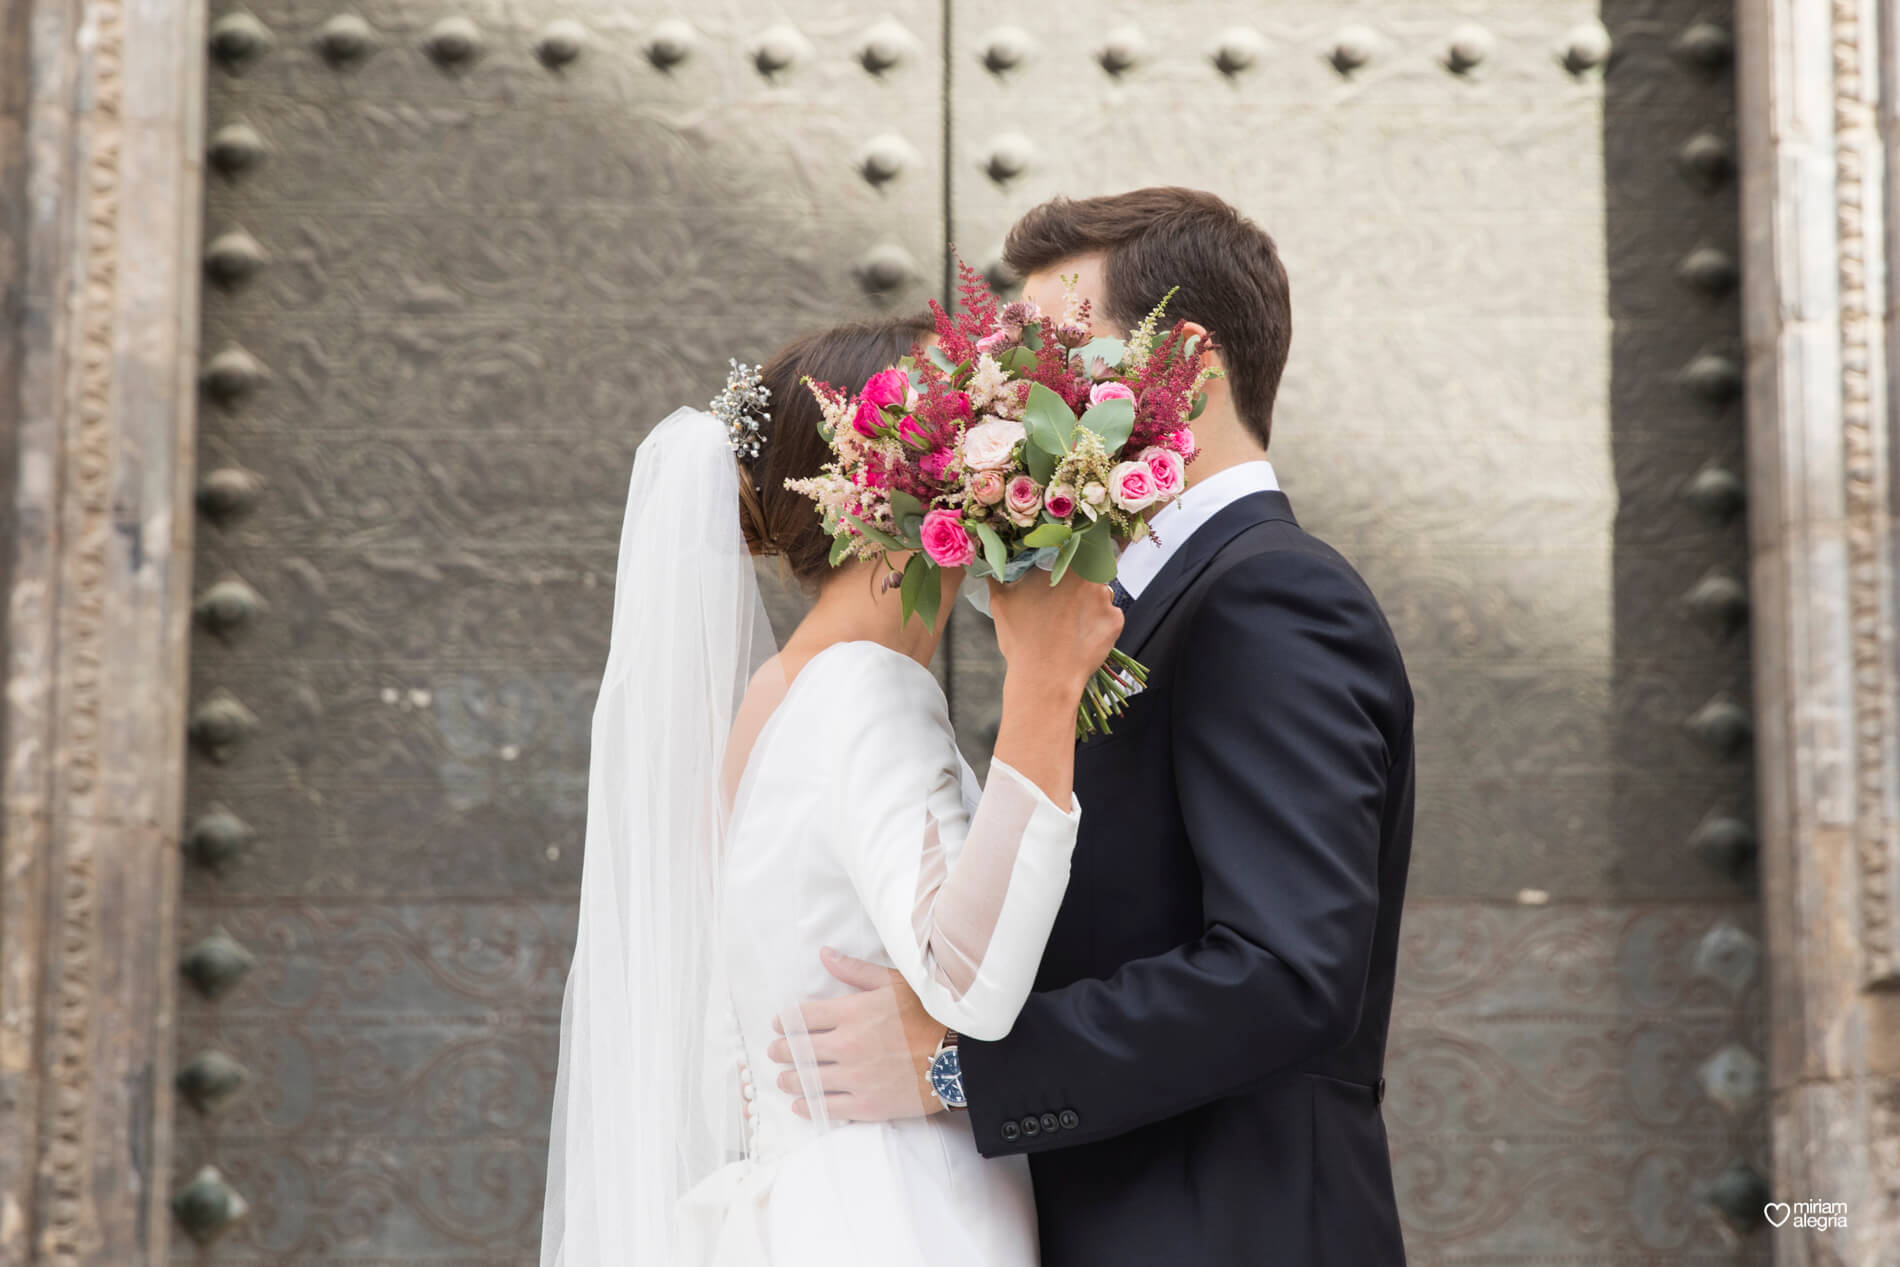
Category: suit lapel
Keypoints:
(1191, 559)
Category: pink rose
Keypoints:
(1182, 441)
(1022, 500)
(987, 487)
(936, 464)
(995, 341)
(1132, 486)
(887, 387)
(1168, 471)
(1110, 391)
(1059, 500)
(868, 421)
(987, 445)
(946, 540)
(911, 432)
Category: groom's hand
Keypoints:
(873, 1047)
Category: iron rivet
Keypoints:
(1586, 48)
(1733, 1078)
(1721, 726)
(1719, 600)
(216, 964)
(1009, 157)
(209, 1079)
(217, 839)
(234, 374)
(1713, 377)
(670, 44)
(1710, 270)
(1717, 492)
(227, 492)
(886, 268)
(453, 42)
(344, 39)
(233, 257)
(1729, 957)
(220, 723)
(1739, 1195)
(236, 148)
(237, 38)
(227, 605)
(1705, 46)
(885, 47)
(1120, 50)
(1237, 49)
(1726, 844)
(1352, 49)
(1007, 49)
(207, 1206)
(1707, 161)
(561, 41)
(1470, 45)
(884, 158)
(778, 48)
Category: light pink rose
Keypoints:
(1110, 391)
(868, 421)
(996, 341)
(1182, 441)
(1168, 469)
(888, 387)
(1059, 500)
(987, 445)
(946, 540)
(987, 487)
(1132, 486)
(1022, 500)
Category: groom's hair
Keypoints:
(1227, 269)
(775, 520)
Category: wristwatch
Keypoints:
(946, 1073)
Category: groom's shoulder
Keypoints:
(1285, 573)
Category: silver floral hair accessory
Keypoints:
(742, 406)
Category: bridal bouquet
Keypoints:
(1017, 441)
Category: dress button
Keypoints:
(1069, 1120)
(1378, 1092)
(1032, 1126)
(747, 1091)
(1050, 1124)
(1011, 1132)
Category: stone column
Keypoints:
(100, 135)
(1817, 99)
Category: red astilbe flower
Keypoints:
(976, 315)
(1164, 388)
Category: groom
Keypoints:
(1198, 1078)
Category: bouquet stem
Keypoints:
(1108, 692)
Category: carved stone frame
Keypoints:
(1817, 102)
(101, 105)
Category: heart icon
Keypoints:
(1777, 1212)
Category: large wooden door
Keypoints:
(460, 257)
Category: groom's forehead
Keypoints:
(1045, 285)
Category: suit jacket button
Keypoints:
(1050, 1124)
(1011, 1132)
(1031, 1126)
(1069, 1120)
(1378, 1092)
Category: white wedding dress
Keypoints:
(737, 823)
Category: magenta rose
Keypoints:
(889, 387)
(1182, 441)
(936, 464)
(1132, 486)
(1059, 500)
(912, 432)
(987, 487)
(946, 540)
(1168, 470)
(868, 421)
(1022, 500)
(1110, 391)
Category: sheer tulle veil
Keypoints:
(637, 1121)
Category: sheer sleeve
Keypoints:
(962, 902)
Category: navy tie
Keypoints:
(1122, 597)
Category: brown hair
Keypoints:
(776, 520)
(1229, 273)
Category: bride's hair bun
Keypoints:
(775, 520)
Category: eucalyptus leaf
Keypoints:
(1113, 420)
(1064, 557)
(1032, 337)
(903, 505)
(876, 534)
(1200, 403)
(941, 361)
(1048, 421)
(1094, 558)
(1017, 360)
(1044, 558)
(1047, 535)
(910, 593)
(929, 591)
(1042, 466)
(994, 555)
(840, 547)
(1110, 350)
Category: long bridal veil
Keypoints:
(637, 1121)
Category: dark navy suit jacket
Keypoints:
(1198, 1077)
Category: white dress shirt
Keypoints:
(1142, 560)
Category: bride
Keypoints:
(749, 807)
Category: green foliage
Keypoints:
(1094, 555)
(877, 534)
(1064, 558)
(1110, 350)
(1048, 421)
(922, 591)
(1048, 534)
(1113, 420)
(993, 552)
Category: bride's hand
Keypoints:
(1055, 635)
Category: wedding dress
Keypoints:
(852, 823)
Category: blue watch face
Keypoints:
(946, 1078)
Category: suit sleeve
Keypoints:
(1281, 768)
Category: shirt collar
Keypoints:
(1142, 560)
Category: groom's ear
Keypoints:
(1209, 355)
